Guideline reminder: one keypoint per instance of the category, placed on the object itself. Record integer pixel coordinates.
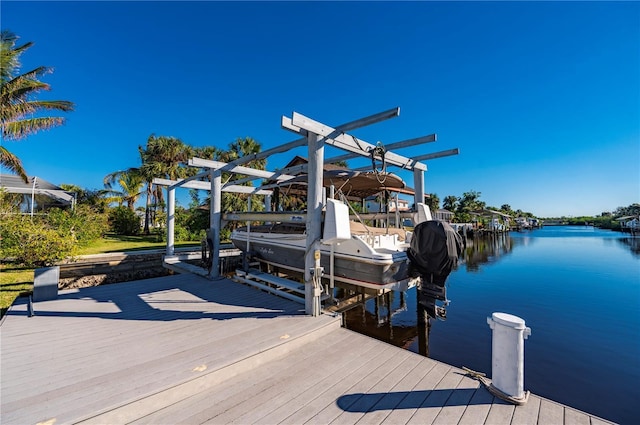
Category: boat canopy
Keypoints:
(353, 184)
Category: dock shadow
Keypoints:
(371, 402)
(130, 302)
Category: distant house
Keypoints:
(373, 205)
(37, 195)
(444, 215)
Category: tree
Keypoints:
(162, 157)
(450, 203)
(467, 204)
(18, 106)
(92, 198)
(633, 209)
(433, 202)
(131, 183)
(239, 148)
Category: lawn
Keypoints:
(13, 283)
(17, 281)
(118, 243)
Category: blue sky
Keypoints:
(541, 98)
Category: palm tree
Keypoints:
(433, 201)
(450, 203)
(18, 105)
(163, 157)
(130, 181)
(239, 148)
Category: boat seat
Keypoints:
(362, 229)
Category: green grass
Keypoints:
(118, 243)
(16, 281)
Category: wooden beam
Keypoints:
(350, 143)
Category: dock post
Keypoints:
(314, 219)
(214, 222)
(507, 353)
(171, 219)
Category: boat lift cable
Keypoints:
(380, 151)
(344, 199)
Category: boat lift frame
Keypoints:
(315, 135)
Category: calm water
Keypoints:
(577, 288)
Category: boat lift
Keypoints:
(315, 135)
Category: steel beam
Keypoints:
(362, 122)
(350, 143)
(397, 145)
(202, 185)
(440, 154)
(238, 169)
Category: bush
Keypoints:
(33, 242)
(84, 223)
(123, 221)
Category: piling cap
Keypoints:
(508, 320)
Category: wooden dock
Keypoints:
(183, 349)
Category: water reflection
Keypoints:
(489, 248)
(375, 319)
(576, 265)
(399, 318)
(632, 243)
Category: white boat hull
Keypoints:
(354, 261)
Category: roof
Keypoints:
(36, 185)
(626, 217)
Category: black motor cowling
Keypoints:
(434, 251)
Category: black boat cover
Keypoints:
(434, 251)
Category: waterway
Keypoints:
(577, 288)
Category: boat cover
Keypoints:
(434, 251)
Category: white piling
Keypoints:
(507, 353)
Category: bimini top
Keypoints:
(353, 184)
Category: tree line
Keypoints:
(467, 206)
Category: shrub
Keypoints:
(33, 242)
(83, 223)
(123, 221)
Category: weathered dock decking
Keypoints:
(182, 349)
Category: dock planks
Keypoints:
(183, 349)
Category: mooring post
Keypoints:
(171, 219)
(214, 222)
(314, 218)
(507, 353)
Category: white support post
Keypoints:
(267, 205)
(314, 217)
(507, 353)
(171, 219)
(418, 185)
(214, 221)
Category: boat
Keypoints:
(361, 254)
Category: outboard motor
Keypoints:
(434, 251)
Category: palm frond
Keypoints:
(12, 163)
(17, 130)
